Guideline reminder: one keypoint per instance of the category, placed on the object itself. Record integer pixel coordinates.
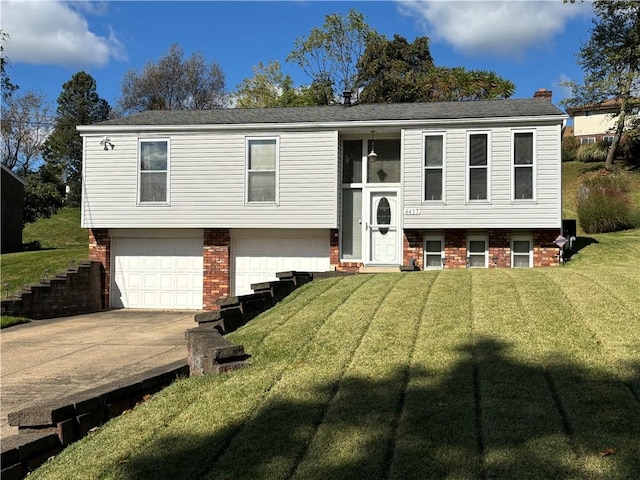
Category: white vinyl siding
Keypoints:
(207, 183)
(502, 212)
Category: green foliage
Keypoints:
(43, 193)
(570, 146)
(396, 71)
(631, 148)
(174, 83)
(6, 321)
(269, 87)
(7, 87)
(59, 231)
(604, 204)
(595, 152)
(78, 104)
(329, 54)
(610, 60)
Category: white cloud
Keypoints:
(499, 28)
(56, 33)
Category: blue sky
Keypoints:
(532, 43)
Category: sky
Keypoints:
(532, 43)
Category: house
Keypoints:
(12, 210)
(595, 123)
(185, 207)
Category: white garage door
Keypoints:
(157, 273)
(258, 258)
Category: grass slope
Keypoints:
(62, 241)
(460, 374)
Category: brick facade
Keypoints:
(334, 255)
(545, 253)
(217, 267)
(413, 248)
(455, 249)
(100, 251)
(499, 249)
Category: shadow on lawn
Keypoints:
(488, 417)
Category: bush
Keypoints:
(570, 146)
(604, 204)
(596, 152)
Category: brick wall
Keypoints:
(12, 208)
(545, 253)
(413, 248)
(455, 249)
(217, 270)
(334, 255)
(499, 249)
(100, 251)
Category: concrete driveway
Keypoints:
(49, 359)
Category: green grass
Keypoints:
(62, 242)
(7, 321)
(462, 374)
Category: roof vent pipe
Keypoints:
(347, 98)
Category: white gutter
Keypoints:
(89, 129)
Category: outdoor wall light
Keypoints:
(372, 154)
(106, 143)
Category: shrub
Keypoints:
(596, 152)
(570, 146)
(604, 204)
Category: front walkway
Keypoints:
(48, 359)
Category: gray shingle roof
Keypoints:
(338, 113)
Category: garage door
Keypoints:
(258, 259)
(157, 273)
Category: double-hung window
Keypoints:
(478, 251)
(478, 175)
(433, 167)
(262, 168)
(434, 252)
(521, 251)
(523, 159)
(154, 171)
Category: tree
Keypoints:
(26, 123)
(174, 84)
(7, 87)
(610, 60)
(269, 87)
(78, 104)
(330, 53)
(396, 71)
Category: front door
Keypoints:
(383, 231)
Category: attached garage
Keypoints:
(257, 255)
(163, 272)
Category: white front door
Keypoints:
(383, 228)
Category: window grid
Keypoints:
(153, 167)
(262, 170)
(478, 167)
(478, 251)
(433, 185)
(523, 152)
(522, 251)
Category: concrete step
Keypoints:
(379, 269)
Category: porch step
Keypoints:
(380, 269)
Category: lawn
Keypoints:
(464, 374)
(62, 243)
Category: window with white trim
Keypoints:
(154, 171)
(521, 251)
(587, 140)
(523, 159)
(434, 252)
(478, 166)
(262, 168)
(433, 167)
(478, 251)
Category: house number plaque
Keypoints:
(412, 211)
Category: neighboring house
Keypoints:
(12, 210)
(185, 207)
(594, 123)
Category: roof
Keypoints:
(611, 105)
(12, 174)
(527, 107)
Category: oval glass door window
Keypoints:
(383, 214)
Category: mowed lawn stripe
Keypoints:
(282, 426)
(523, 431)
(436, 435)
(599, 390)
(356, 436)
(215, 407)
